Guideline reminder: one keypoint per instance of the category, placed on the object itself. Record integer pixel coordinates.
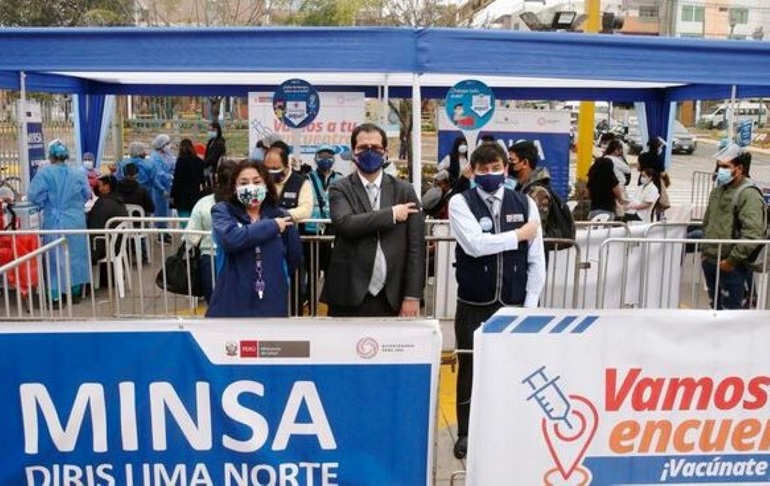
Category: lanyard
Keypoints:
(259, 283)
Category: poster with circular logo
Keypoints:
(470, 104)
(296, 103)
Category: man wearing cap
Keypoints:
(320, 179)
(435, 201)
(735, 211)
(108, 205)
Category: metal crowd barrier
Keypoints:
(662, 285)
(579, 274)
(700, 188)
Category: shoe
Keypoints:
(461, 448)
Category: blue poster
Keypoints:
(554, 149)
(744, 133)
(470, 104)
(230, 405)
(296, 103)
(36, 147)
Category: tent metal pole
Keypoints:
(385, 101)
(731, 118)
(24, 171)
(416, 135)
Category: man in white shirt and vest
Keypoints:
(500, 261)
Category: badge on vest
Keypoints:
(290, 195)
(486, 224)
(514, 218)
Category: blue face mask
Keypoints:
(324, 163)
(278, 175)
(370, 161)
(212, 134)
(491, 181)
(724, 176)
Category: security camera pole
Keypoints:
(586, 116)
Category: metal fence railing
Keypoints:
(602, 268)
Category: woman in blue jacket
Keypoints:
(260, 245)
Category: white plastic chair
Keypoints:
(136, 211)
(601, 218)
(117, 254)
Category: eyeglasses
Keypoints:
(364, 148)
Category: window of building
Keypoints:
(692, 13)
(691, 34)
(649, 11)
(739, 16)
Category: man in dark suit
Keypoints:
(377, 266)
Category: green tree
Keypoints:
(326, 12)
(65, 13)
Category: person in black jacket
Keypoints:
(215, 150)
(132, 192)
(188, 179)
(109, 205)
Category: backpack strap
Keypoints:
(736, 221)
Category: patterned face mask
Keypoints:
(251, 194)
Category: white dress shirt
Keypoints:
(377, 182)
(476, 243)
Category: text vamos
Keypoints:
(717, 420)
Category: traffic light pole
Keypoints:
(587, 108)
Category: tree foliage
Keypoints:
(65, 13)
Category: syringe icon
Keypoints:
(549, 396)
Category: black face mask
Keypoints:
(511, 171)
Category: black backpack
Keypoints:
(559, 224)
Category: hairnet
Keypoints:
(57, 150)
(161, 141)
(137, 149)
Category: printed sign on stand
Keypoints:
(296, 103)
(228, 402)
(35, 142)
(620, 397)
(470, 104)
(341, 113)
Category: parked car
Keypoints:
(683, 142)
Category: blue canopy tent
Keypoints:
(93, 63)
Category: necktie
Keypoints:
(380, 270)
(492, 203)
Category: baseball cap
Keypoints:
(325, 148)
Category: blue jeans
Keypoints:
(732, 285)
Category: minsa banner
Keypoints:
(218, 402)
(621, 397)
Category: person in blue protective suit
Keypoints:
(260, 245)
(162, 161)
(61, 192)
(137, 154)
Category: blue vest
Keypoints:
(501, 277)
(289, 198)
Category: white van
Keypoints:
(755, 112)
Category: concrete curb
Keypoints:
(753, 150)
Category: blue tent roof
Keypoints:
(686, 68)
